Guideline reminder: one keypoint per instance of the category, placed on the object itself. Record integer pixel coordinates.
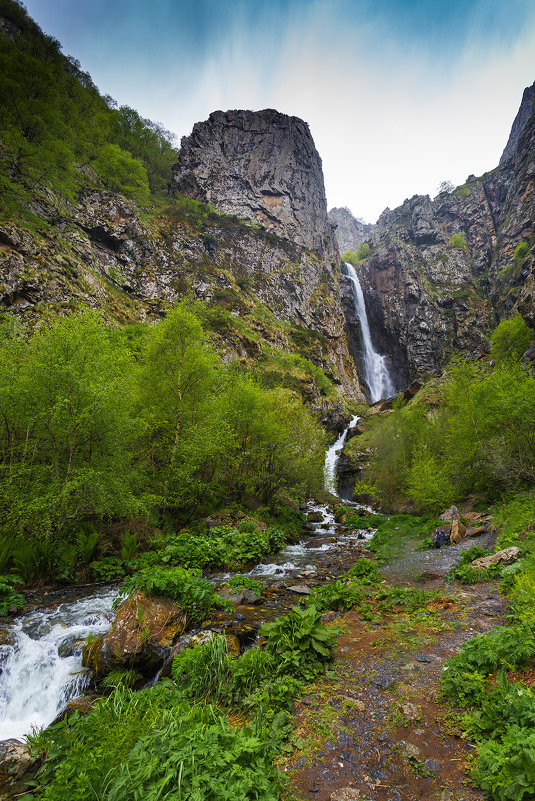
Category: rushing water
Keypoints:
(40, 660)
(376, 372)
(332, 456)
(41, 668)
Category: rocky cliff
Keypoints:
(349, 232)
(442, 272)
(261, 166)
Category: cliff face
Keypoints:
(526, 110)
(349, 231)
(261, 166)
(441, 272)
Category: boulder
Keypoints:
(412, 389)
(141, 637)
(458, 530)
(476, 531)
(314, 517)
(16, 769)
(450, 514)
(81, 704)
(300, 589)
(505, 557)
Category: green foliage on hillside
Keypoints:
(458, 241)
(355, 257)
(510, 339)
(479, 439)
(98, 426)
(55, 122)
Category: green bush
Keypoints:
(466, 574)
(299, 642)
(463, 677)
(364, 571)
(193, 594)
(8, 595)
(458, 241)
(510, 339)
(338, 596)
(398, 533)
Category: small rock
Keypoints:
(410, 711)
(300, 589)
(383, 681)
(408, 750)
(432, 765)
(346, 794)
(410, 666)
(422, 658)
(355, 703)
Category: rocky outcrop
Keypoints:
(143, 633)
(526, 110)
(441, 270)
(350, 232)
(261, 166)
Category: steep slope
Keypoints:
(349, 231)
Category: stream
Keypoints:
(41, 652)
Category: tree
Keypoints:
(510, 339)
(67, 423)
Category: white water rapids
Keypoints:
(41, 668)
(376, 372)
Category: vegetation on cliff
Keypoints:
(469, 432)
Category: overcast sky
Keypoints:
(399, 94)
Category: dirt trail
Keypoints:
(374, 729)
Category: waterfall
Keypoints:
(41, 658)
(332, 456)
(376, 372)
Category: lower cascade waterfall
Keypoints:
(376, 372)
(332, 456)
(40, 661)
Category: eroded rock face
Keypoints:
(440, 269)
(142, 635)
(263, 167)
(350, 232)
(527, 108)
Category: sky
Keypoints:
(400, 95)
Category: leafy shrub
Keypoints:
(338, 596)
(463, 677)
(409, 598)
(397, 532)
(458, 241)
(510, 339)
(109, 568)
(364, 571)
(192, 593)
(240, 582)
(515, 518)
(506, 769)
(8, 595)
(299, 642)
(364, 521)
(202, 671)
(130, 546)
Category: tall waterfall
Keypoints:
(376, 372)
